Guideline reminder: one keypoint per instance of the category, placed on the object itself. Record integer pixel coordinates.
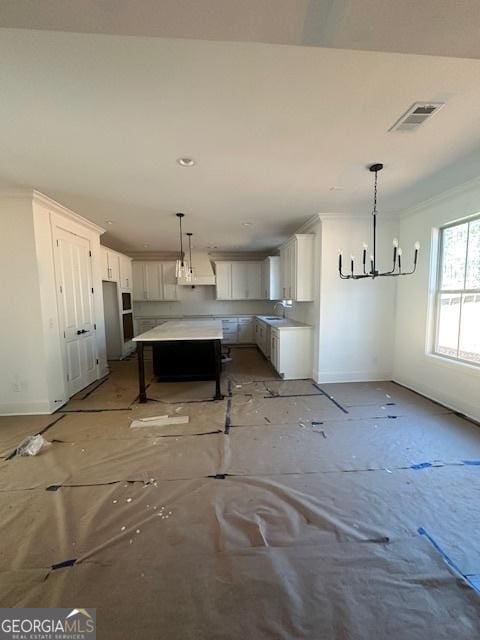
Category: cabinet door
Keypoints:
(125, 273)
(246, 330)
(104, 262)
(224, 280)
(169, 280)
(239, 280)
(153, 281)
(254, 281)
(114, 266)
(284, 272)
(138, 278)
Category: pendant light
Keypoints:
(373, 271)
(190, 255)
(181, 267)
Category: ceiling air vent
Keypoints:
(416, 116)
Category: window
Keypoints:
(458, 294)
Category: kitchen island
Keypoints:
(182, 350)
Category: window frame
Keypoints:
(461, 292)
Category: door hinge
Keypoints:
(90, 254)
(57, 243)
(92, 289)
(64, 334)
(97, 360)
(95, 327)
(68, 378)
(61, 290)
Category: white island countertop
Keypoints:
(183, 330)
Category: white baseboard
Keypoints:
(25, 408)
(451, 402)
(351, 376)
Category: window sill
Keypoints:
(456, 365)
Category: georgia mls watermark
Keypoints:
(48, 624)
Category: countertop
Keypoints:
(183, 330)
(283, 323)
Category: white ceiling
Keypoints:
(98, 121)
(436, 27)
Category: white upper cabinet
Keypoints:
(223, 273)
(125, 273)
(154, 280)
(239, 280)
(296, 268)
(116, 267)
(271, 278)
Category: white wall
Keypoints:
(200, 301)
(356, 316)
(23, 384)
(353, 320)
(453, 384)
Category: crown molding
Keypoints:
(60, 209)
(464, 188)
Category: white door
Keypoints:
(239, 280)
(75, 299)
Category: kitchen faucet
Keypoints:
(282, 304)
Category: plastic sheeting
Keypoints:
(299, 521)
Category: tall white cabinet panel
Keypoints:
(296, 260)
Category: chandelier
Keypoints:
(373, 271)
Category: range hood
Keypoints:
(202, 271)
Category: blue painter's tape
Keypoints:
(472, 463)
(421, 465)
(473, 581)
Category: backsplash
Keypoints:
(201, 301)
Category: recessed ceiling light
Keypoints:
(334, 188)
(247, 224)
(145, 246)
(186, 162)
(109, 221)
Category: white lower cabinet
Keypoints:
(291, 351)
(262, 337)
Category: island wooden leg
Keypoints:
(218, 368)
(142, 397)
